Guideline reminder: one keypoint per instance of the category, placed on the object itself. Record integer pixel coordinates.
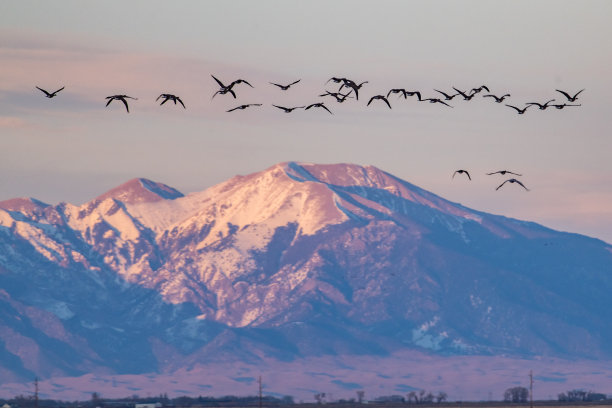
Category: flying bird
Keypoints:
(503, 172)
(435, 100)
(288, 110)
(50, 94)
(466, 97)
(512, 180)
(223, 89)
(519, 111)
(241, 107)
(120, 98)
(381, 97)
(563, 105)
(350, 84)
(569, 97)
(462, 172)
(498, 99)
(318, 105)
(447, 97)
(285, 87)
(542, 106)
(340, 97)
(480, 88)
(170, 97)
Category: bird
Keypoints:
(318, 105)
(503, 172)
(447, 97)
(480, 88)
(241, 107)
(435, 100)
(498, 99)
(288, 110)
(120, 98)
(462, 172)
(542, 106)
(285, 87)
(568, 96)
(381, 97)
(50, 94)
(519, 111)
(228, 88)
(563, 105)
(512, 180)
(466, 97)
(350, 84)
(170, 97)
(340, 97)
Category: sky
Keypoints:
(72, 148)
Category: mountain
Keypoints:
(294, 262)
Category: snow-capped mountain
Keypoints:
(297, 260)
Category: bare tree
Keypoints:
(412, 396)
(441, 397)
(516, 394)
(360, 395)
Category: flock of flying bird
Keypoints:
(352, 91)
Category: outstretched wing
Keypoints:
(181, 102)
(46, 93)
(521, 184)
(386, 101)
(293, 83)
(64, 87)
(578, 93)
(498, 187)
(513, 107)
(126, 105)
(219, 82)
(564, 93)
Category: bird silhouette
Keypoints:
(223, 89)
(569, 97)
(542, 106)
(340, 97)
(435, 100)
(462, 172)
(120, 98)
(285, 87)
(318, 105)
(288, 110)
(498, 99)
(466, 97)
(512, 180)
(381, 97)
(519, 111)
(50, 94)
(503, 172)
(170, 97)
(564, 105)
(447, 97)
(355, 87)
(241, 107)
(480, 88)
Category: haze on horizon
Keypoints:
(72, 148)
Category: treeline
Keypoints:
(521, 395)
(163, 401)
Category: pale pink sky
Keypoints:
(72, 148)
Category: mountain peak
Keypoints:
(22, 204)
(141, 190)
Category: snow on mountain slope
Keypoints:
(299, 259)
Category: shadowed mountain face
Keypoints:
(298, 260)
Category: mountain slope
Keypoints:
(293, 261)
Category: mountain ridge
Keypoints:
(296, 260)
